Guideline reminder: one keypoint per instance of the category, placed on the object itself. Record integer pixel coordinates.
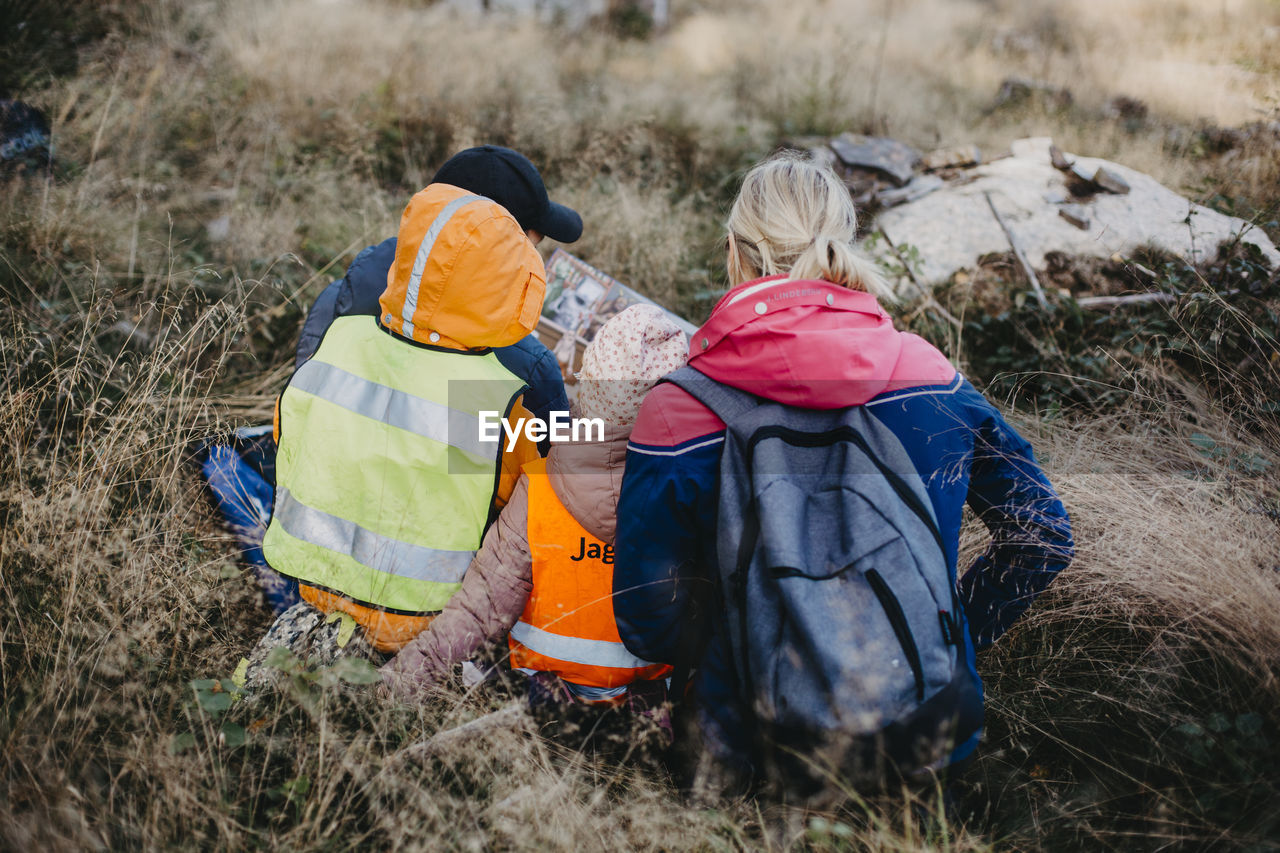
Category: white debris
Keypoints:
(953, 226)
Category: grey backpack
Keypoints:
(840, 611)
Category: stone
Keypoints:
(1076, 214)
(1110, 181)
(956, 157)
(951, 227)
(890, 157)
(822, 155)
(1083, 172)
(1059, 160)
(1100, 177)
(919, 187)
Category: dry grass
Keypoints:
(1144, 684)
(220, 162)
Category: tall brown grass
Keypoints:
(220, 162)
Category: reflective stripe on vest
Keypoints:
(383, 487)
(414, 414)
(368, 548)
(424, 252)
(613, 655)
(568, 624)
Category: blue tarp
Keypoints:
(240, 476)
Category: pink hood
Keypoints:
(811, 344)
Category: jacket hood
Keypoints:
(811, 344)
(587, 478)
(465, 275)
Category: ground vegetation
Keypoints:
(217, 163)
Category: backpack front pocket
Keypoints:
(898, 621)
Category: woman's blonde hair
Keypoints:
(795, 217)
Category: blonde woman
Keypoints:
(804, 327)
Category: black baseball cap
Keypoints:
(511, 180)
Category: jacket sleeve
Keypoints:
(524, 452)
(365, 280)
(1030, 530)
(546, 392)
(357, 292)
(537, 366)
(493, 595)
(321, 316)
(662, 587)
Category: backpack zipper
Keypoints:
(898, 621)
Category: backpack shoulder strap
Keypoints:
(727, 404)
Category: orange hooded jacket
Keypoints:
(465, 278)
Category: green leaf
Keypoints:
(355, 671)
(1252, 463)
(214, 703)
(1203, 442)
(1190, 730)
(233, 735)
(181, 742)
(212, 695)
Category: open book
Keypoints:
(580, 299)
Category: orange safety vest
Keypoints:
(568, 625)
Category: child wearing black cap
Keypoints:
(512, 181)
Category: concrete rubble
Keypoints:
(1084, 206)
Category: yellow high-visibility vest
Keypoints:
(383, 486)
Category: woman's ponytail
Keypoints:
(793, 216)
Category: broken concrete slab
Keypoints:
(1076, 214)
(1099, 178)
(890, 157)
(918, 187)
(952, 227)
(1058, 159)
(1110, 181)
